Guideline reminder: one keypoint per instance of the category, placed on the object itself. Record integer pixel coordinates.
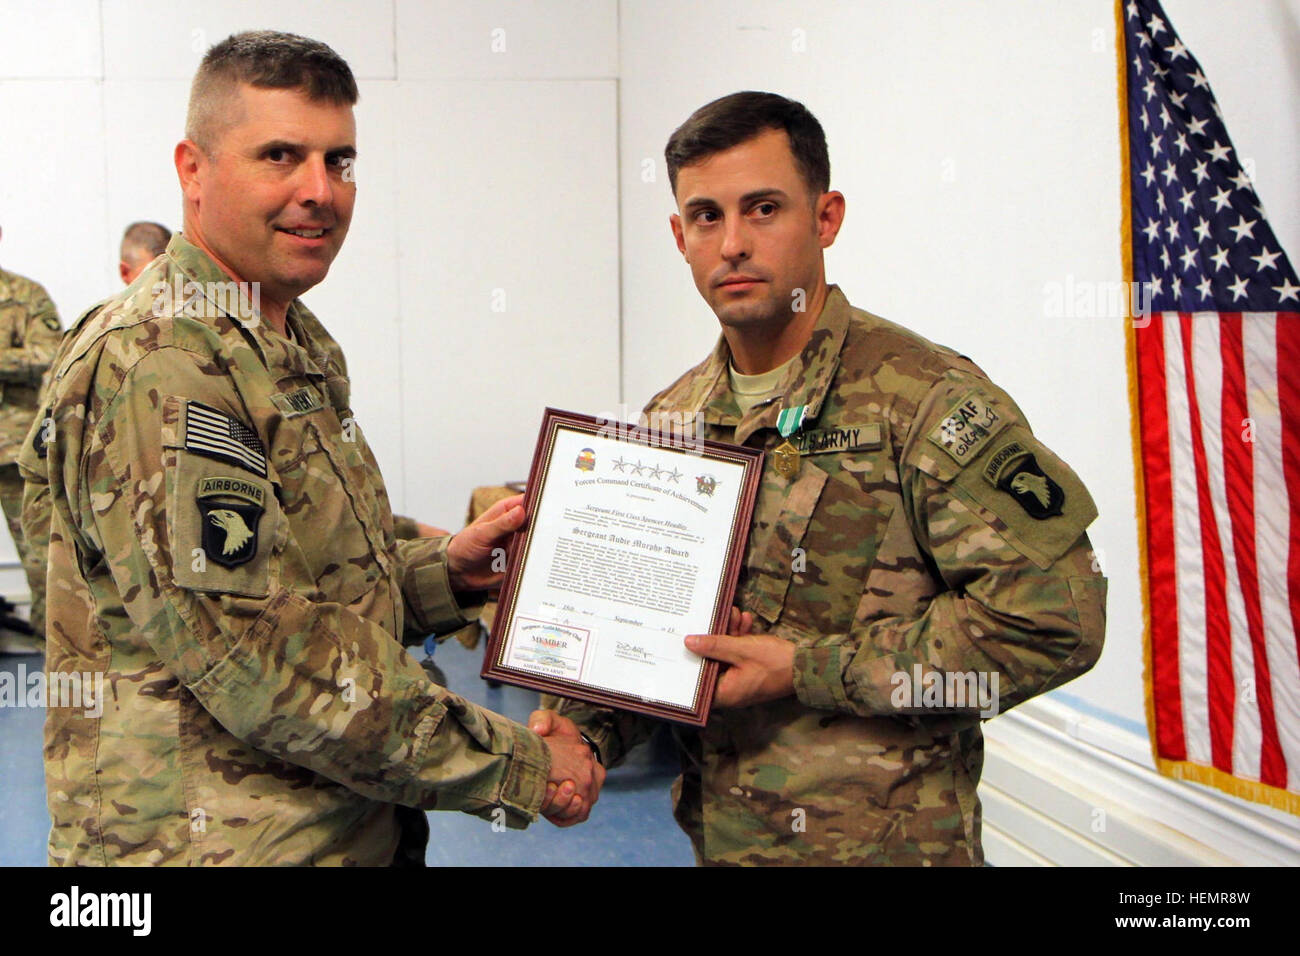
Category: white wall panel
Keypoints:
(165, 39)
(49, 38)
(52, 196)
(509, 275)
(359, 302)
(51, 193)
(145, 120)
(507, 39)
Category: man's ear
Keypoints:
(830, 216)
(191, 165)
(675, 222)
(124, 271)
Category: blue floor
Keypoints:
(24, 822)
(632, 825)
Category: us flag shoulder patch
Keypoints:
(215, 434)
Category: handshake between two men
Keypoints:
(576, 775)
(756, 669)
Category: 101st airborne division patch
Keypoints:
(1015, 470)
(230, 510)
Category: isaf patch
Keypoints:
(230, 509)
(967, 428)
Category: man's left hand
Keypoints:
(473, 551)
(761, 667)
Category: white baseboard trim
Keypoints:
(1062, 788)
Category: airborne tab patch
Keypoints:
(229, 510)
(215, 434)
(1002, 459)
(966, 428)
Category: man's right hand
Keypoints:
(576, 777)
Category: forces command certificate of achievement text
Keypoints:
(633, 541)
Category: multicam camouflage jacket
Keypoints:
(222, 551)
(29, 335)
(926, 556)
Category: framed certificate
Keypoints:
(634, 539)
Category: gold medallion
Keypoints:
(786, 460)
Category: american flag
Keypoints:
(1216, 366)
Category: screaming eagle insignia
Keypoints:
(230, 509)
(1038, 494)
(237, 533)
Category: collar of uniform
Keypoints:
(809, 377)
(285, 358)
(302, 320)
(711, 396)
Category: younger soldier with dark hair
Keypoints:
(222, 548)
(29, 335)
(910, 534)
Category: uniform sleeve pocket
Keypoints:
(223, 523)
(1025, 493)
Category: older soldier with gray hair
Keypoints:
(142, 243)
(917, 559)
(222, 544)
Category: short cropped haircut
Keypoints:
(739, 117)
(145, 241)
(267, 59)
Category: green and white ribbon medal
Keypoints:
(786, 457)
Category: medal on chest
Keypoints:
(785, 459)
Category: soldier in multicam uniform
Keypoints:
(30, 331)
(909, 531)
(222, 547)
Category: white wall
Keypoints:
(976, 143)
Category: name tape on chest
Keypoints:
(214, 434)
(301, 401)
(816, 441)
(967, 428)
